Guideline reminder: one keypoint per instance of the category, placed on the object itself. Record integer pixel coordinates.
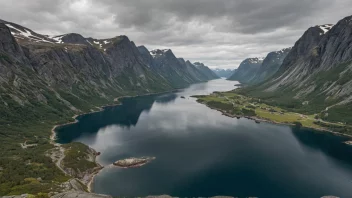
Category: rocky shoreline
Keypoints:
(87, 179)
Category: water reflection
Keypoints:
(125, 115)
(330, 144)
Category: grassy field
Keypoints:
(236, 105)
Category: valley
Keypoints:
(79, 112)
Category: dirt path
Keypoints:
(25, 145)
(57, 154)
(62, 156)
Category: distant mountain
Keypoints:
(270, 65)
(224, 73)
(247, 70)
(176, 71)
(206, 71)
(316, 74)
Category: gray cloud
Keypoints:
(220, 33)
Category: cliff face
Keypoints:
(247, 70)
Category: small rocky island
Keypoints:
(348, 143)
(133, 162)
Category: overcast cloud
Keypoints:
(220, 33)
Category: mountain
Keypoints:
(194, 71)
(176, 71)
(224, 73)
(44, 80)
(270, 65)
(205, 70)
(316, 74)
(247, 70)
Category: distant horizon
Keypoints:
(219, 34)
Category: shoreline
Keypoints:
(92, 177)
(255, 118)
(99, 167)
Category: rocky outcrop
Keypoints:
(133, 162)
(247, 70)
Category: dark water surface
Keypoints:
(199, 152)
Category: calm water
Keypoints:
(199, 152)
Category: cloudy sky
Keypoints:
(220, 33)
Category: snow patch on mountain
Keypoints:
(18, 33)
(58, 39)
(256, 60)
(158, 52)
(325, 28)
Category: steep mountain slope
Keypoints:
(316, 74)
(270, 65)
(247, 70)
(206, 71)
(224, 73)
